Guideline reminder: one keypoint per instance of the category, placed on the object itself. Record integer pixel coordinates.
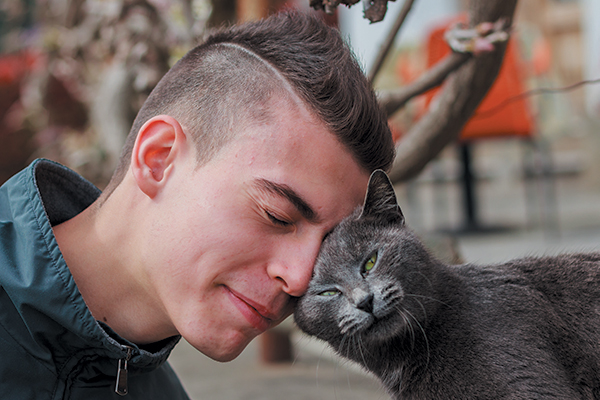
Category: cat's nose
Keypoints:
(363, 300)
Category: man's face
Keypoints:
(237, 238)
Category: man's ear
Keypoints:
(156, 146)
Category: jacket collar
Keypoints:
(50, 315)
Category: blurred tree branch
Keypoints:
(462, 92)
(109, 56)
(467, 74)
(374, 10)
(394, 100)
(389, 41)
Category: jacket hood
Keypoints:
(38, 295)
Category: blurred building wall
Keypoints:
(590, 17)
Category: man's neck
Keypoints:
(99, 249)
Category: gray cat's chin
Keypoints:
(387, 328)
(374, 330)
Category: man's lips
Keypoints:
(257, 315)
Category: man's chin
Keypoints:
(228, 352)
(225, 357)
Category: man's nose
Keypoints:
(294, 264)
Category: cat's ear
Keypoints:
(380, 201)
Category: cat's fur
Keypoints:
(526, 329)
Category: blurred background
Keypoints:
(73, 74)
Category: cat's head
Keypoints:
(367, 276)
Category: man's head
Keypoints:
(226, 82)
(249, 151)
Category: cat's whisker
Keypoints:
(345, 318)
(348, 328)
(346, 340)
(422, 308)
(410, 329)
(341, 347)
(408, 326)
(390, 291)
(301, 343)
(360, 349)
(424, 276)
(424, 334)
(367, 350)
(318, 366)
(427, 298)
(347, 323)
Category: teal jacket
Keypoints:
(50, 345)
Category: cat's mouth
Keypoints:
(383, 327)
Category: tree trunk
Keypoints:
(463, 91)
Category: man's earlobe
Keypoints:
(155, 149)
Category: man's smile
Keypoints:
(257, 315)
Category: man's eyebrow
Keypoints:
(287, 192)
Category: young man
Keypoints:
(247, 153)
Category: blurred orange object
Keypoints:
(503, 113)
(500, 113)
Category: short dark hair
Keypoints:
(230, 78)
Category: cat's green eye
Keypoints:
(329, 293)
(370, 263)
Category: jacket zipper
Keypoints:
(121, 386)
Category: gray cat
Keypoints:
(526, 329)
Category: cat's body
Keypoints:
(527, 329)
